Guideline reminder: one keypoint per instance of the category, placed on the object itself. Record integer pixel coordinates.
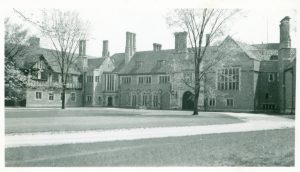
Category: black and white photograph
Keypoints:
(149, 84)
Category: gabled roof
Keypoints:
(256, 51)
(271, 46)
(118, 60)
(33, 55)
(95, 62)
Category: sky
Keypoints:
(149, 24)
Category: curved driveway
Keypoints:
(253, 122)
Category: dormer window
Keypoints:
(161, 63)
(274, 57)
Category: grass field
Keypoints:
(22, 121)
(260, 148)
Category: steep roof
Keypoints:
(257, 51)
(33, 54)
(151, 62)
(118, 60)
(95, 62)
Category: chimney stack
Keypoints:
(284, 53)
(82, 55)
(130, 48)
(82, 47)
(134, 43)
(181, 42)
(34, 41)
(285, 39)
(105, 52)
(156, 47)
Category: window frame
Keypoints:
(97, 78)
(213, 100)
(273, 77)
(227, 102)
(144, 79)
(228, 79)
(126, 80)
(164, 79)
(155, 100)
(49, 94)
(90, 78)
(72, 97)
(41, 95)
(87, 99)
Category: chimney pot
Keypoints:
(156, 47)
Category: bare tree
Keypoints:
(201, 24)
(64, 29)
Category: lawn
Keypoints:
(23, 121)
(259, 148)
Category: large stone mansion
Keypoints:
(259, 77)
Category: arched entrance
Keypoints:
(187, 101)
(109, 101)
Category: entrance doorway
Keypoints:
(109, 101)
(187, 101)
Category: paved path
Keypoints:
(253, 122)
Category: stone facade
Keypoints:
(259, 77)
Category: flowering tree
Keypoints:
(15, 79)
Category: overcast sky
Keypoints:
(149, 24)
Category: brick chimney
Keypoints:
(180, 42)
(284, 53)
(82, 47)
(285, 39)
(82, 54)
(156, 47)
(130, 48)
(105, 52)
(34, 41)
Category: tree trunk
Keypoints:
(196, 101)
(63, 98)
(197, 87)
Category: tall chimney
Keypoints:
(130, 46)
(82, 55)
(156, 47)
(133, 43)
(285, 39)
(34, 41)
(180, 42)
(82, 47)
(284, 53)
(105, 52)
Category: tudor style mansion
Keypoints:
(256, 77)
